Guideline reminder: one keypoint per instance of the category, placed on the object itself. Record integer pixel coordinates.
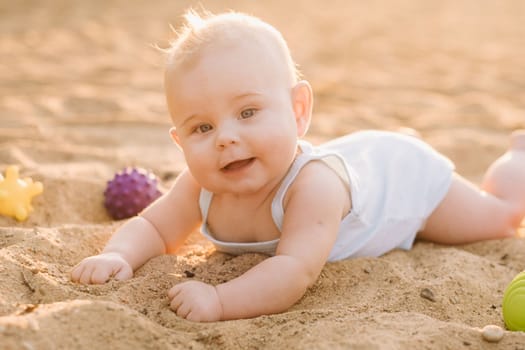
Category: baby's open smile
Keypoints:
(238, 165)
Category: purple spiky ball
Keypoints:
(129, 192)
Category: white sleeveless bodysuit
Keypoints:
(395, 182)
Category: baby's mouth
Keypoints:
(238, 164)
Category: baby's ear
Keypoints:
(302, 102)
(174, 136)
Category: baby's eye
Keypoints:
(201, 129)
(248, 113)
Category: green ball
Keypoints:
(514, 303)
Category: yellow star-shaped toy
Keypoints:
(16, 194)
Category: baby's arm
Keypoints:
(315, 205)
(161, 228)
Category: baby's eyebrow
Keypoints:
(187, 120)
(245, 95)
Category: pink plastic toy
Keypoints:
(16, 194)
(129, 192)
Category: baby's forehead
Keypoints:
(242, 65)
(253, 47)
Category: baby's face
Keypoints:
(234, 118)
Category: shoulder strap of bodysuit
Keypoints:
(277, 203)
(204, 203)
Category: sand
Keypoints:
(81, 97)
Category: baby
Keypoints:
(238, 110)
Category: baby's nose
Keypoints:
(227, 135)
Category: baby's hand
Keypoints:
(196, 301)
(99, 269)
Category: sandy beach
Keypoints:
(81, 97)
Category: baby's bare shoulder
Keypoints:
(318, 181)
(318, 173)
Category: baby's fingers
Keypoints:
(100, 275)
(172, 293)
(99, 269)
(77, 272)
(81, 273)
(85, 276)
(124, 273)
(175, 303)
(181, 308)
(87, 273)
(183, 311)
(176, 299)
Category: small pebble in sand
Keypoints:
(189, 274)
(428, 294)
(492, 333)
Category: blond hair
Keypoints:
(222, 30)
